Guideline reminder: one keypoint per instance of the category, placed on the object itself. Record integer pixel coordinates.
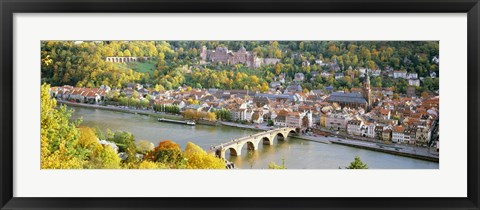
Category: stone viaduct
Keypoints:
(124, 59)
(265, 137)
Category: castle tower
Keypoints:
(367, 92)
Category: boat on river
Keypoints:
(185, 122)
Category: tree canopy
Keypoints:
(357, 164)
(197, 158)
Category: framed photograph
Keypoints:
(239, 105)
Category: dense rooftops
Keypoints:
(347, 98)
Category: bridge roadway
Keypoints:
(252, 141)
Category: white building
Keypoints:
(370, 130)
(397, 134)
(413, 76)
(299, 119)
(376, 73)
(400, 74)
(414, 82)
(294, 119)
(336, 121)
(354, 127)
(238, 114)
(280, 118)
(248, 115)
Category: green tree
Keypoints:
(122, 139)
(270, 122)
(357, 164)
(131, 152)
(144, 146)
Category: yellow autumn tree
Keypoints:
(59, 136)
(169, 153)
(197, 158)
(189, 114)
(103, 157)
(146, 164)
(264, 88)
(64, 146)
(87, 138)
(211, 116)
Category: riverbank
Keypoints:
(136, 111)
(125, 110)
(423, 153)
(401, 150)
(412, 152)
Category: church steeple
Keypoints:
(367, 93)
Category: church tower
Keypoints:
(367, 92)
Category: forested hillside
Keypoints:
(176, 63)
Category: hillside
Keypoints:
(320, 63)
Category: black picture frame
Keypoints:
(10, 7)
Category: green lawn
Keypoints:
(147, 66)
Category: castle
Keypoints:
(242, 56)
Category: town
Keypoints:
(371, 113)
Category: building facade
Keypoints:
(228, 57)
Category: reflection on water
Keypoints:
(297, 154)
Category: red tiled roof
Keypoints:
(398, 129)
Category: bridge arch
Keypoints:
(233, 151)
(266, 140)
(250, 146)
(281, 136)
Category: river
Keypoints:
(295, 153)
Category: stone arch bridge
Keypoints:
(252, 141)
